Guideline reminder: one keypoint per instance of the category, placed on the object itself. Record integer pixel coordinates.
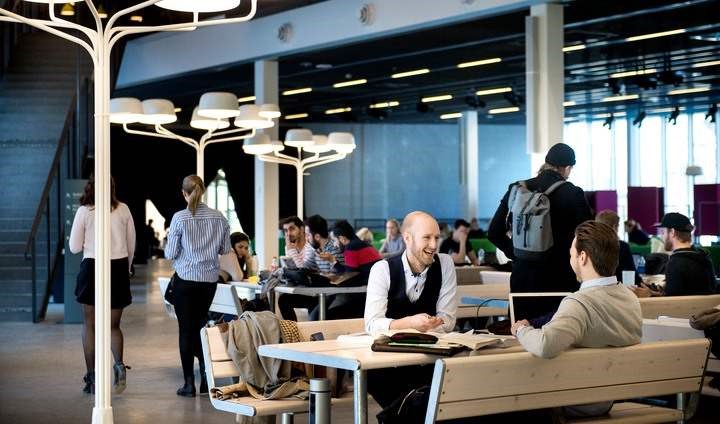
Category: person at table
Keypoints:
(635, 233)
(393, 244)
(365, 235)
(237, 264)
(458, 246)
(568, 209)
(318, 238)
(475, 231)
(296, 246)
(689, 270)
(625, 259)
(602, 313)
(415, 290)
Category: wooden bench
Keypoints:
(495, 277)
(219, 365)
(677, 306)
(491, 291)
(467, 386)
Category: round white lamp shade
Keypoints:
(278, 145)
(269, 111)
(249, 117)
(158, 112)
(299, 137)
(320, 145)
(259, 144)
(218, 105)
(207, 124)
(198, 5)
(125, 110)
(342, 142)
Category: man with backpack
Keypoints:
(534, 226)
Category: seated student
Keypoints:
(393, 244)
(475, 231)
(602, 313)
(635, 233)
(365, 235)
(689, 270)
(458, 246)
(295, 242)
(416, 290)
(626, 262)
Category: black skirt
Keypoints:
(120, 296)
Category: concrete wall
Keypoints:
(398, 168)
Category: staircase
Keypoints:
(36, 95)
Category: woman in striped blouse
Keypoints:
(196, 237)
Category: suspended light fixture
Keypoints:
(67, 10)
(203, 123)
(249, 117)
(203, 6)
(320, 145)
(260, 144)
(218, 105)
(300, 138)
(101, 12)
(158, 112)
(125, 110)
(342, 142)
(269, 111)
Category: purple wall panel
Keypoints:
(646, 205)
(707, 209)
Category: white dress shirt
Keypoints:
(122, 240)
(379, 285)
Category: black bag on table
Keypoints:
(305, 277)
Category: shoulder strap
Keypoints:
(554, 187)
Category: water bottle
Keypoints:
(319, 401)
(481, 256)
(274, 264)
(641, 265)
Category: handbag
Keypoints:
(169, 292)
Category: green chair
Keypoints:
(483, 244)
(640, 249)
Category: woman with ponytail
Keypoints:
(196, 237)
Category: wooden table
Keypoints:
(354, 354)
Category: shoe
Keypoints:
(119, 369)
(89, 380)
(203, 386)
(187, 390)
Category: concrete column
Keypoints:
(266, 174)
(469, 164)
(545, 64)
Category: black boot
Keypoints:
(89, 380)
(188, 389)
(203, 382)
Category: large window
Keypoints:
(218, 197)
(647, 160)
(705, 148)
(677, 198)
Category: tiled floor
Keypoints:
(41, 369)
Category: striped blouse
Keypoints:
(195, 242)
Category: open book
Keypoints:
(470, 340)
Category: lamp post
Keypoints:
(342, 143)
(220, 106)
(98, 41)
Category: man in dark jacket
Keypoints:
(689, 271)
(568, 208)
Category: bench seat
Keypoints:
(251, 407)
(633, 413)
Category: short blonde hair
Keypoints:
(365, 234)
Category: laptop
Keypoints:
(518, 302)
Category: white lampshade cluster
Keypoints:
(341, 142)
(214, 112)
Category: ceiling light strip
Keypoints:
(479, 62)
(573, 48)
(504, 110)
(490, 91)
(656, 35)
(439, 98)
(453, 115)
(350, 83)
(621, 98)
(704, 64)
(337, 110)
(569, 103)
(297, 91)
(411, 73)
(384, 104)
(688, 91)
(246, 99)
(633, 73)
(297, 116)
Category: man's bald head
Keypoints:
(421, 234)
(416, 217)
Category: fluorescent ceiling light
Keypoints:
(297, 116)
(437, 98)
(349, 83)
(338, 110)
(569, 103)
(67, 10)
(246, 99)
(704, 64)
(178, 109)
(385, 104)
(574, 48)
(297, 91)
(664, 110)
(493, 91)
(633, 73)
(688, 91)
(102, 14)
(451, 115)
(504, 110)
(655, 35)
(479, 62)
(620, 98)
(198, 6)
(136, 18)
(411, 73)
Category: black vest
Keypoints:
(399, 306)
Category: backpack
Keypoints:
(529, 219)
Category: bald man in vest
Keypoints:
(415, 290)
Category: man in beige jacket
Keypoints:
(602, 313)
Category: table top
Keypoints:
(315, 291)
(350, 354)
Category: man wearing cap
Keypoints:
(689, 270)
(568, 209)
